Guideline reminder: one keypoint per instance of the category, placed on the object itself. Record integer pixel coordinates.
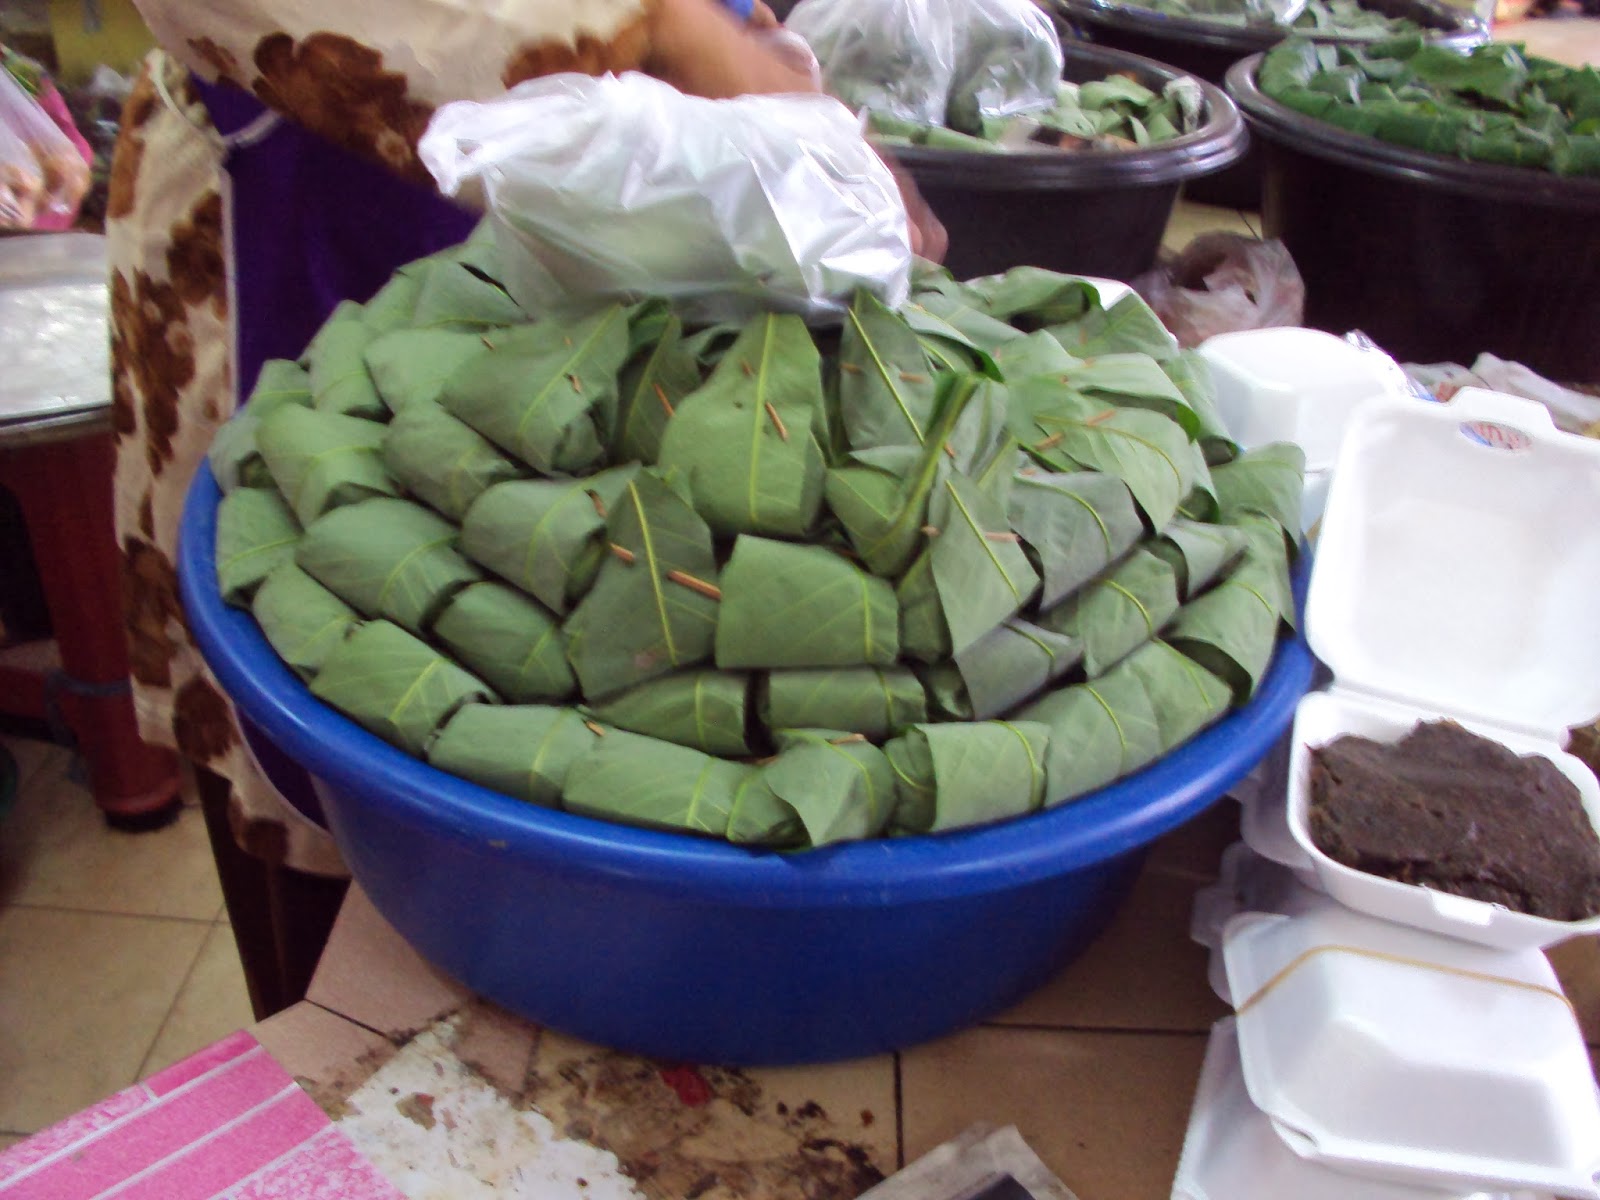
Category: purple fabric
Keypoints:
(313, 225)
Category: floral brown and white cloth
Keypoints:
(366, 77)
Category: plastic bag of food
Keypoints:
(620, 187)
(934, 62)
(1222, 283)
(896, 57)
(1008, 62)
(61, 166)
(21, 182)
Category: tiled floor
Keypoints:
(115, 955)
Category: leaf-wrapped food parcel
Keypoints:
(704, 710)
(760, 817)
(1184, 696)
(387, 558)
(443, 462)
(255, 533)
(661, 374)
(1118, 612)
(546, 536)
(234, 456)
(839, 784)
(640, 780)
(979, 569)
(1077, 524)
(412, 366)
(1199, 552)
(874, 701)
(887, 388)
(302, 620)
(1130, 326)
(1147, 451)
(394, 685)
(883, 512)
(747, 439)
(1006, 667)
(787, 605)
(653, 606)
(953, 775)
(1232, 629)
(546, 392)
(1032, 297)
(1099, 732)
(523, 751)
(323, 460)
(1269, 480)
(340, 382)
(513, 643)
(454, 296)
(1135, 380)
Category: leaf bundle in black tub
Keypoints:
(1206, 47)
(965, 561)
(1475, 255)
(1097, 213)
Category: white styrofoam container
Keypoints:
(1233, 1152)
(1456, 577)
(1245, 883)
(1295, 385)
(1418, 1059)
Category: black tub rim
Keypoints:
(1457, 27)
(1281, 125)
(1217, 143)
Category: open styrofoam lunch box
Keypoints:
(1232, 1150)
(1396, 1055)
(1456, 577)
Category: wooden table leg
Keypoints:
(65, 492)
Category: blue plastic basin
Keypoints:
(689, 949)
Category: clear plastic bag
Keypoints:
(621, 186)
(934, 62)
(1222, 283)
(1009, 62)
(896, 57)
(21, 182)
(63, 171)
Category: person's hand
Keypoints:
(928, 237)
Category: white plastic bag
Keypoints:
(1009, 62)
(621, 186)
(934, 62)
(896, 57)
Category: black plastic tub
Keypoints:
(1207, 50)
(1435, 258)
(1086, 213)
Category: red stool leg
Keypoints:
(65, 491)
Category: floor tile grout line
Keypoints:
(106, 912)
(899, 1116)
(166, 1019)
(1119, 1030)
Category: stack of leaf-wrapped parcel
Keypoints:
(1492, 104)
(941, 566)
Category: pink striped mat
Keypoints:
(226, 1124)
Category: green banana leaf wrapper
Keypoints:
(255, 533)
(874, 701)
(320, 461)
(524, 751)
(642, 781)
(442, 462)
(509, 640)
(387, 558)
(953, 775)
(303, 620)
(395, 685)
